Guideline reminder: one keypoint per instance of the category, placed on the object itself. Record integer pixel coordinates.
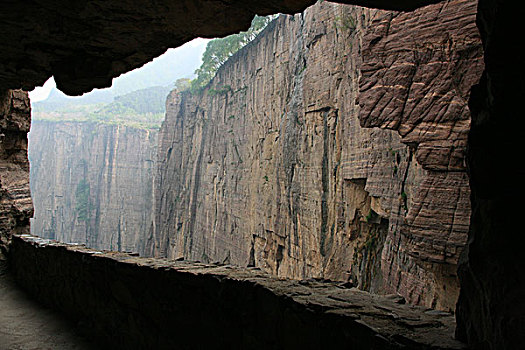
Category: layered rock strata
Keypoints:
(92, 183)
(274, 165)
(15, 199)
(419, 86)
(239, 308)
(492, 268)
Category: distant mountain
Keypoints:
(58, 101)
(161, 73)
(149, 100)
(142, 109)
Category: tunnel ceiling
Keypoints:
(84, 44)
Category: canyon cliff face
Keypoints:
(283, 162)
(92, 183)
(15, 200)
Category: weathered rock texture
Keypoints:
(493, 280)
(419, 84)
(269, 167)
(140, 303)
(92, 183)
(84, 44)
(15, 199)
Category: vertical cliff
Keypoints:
(417, 74)
(92, 183)
(15, 201)
(283, 162)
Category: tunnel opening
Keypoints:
(386, 228)
(473, 330)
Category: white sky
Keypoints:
(42, 92)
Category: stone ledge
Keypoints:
(127, 301)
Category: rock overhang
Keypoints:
(85, 44)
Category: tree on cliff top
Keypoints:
(219, 50)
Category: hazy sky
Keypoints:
(42, 92)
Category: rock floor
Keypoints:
(25, 325)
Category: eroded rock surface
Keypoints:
(416, 77)
(133, 302)
(493, 266)
(15, 199)
(92, 183)
(270, 166)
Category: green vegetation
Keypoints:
(146, 101)
(82, 200)
(345, 22)
(237, 151)
(141, 109)
(371, 241)
(145, 108)
(222, 90)
(241, 89)
(122, 104)
(182, 84)
(368, 247)
(369, 216)
(392, 152)
(405, 200)
(219, 50)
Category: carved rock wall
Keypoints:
(136, 303)
(92, 183)
(270, 166)
(15, 199)
(493, 265)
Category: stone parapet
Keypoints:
(132, 302)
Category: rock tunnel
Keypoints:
(85, 44)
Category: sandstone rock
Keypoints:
(418, 84)
(495, 141)
(270, 167)
(15, 201)
(92, 183)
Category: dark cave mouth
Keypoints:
(469, 225)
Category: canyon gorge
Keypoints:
(270, 167)
(277, 165)
(345, 146)
(91, 183)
